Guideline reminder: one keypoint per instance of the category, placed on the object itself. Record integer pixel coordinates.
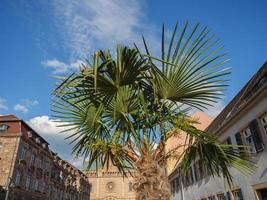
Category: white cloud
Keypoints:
(51, 132)
(61, 67)
(29, 102)
(21, 108)
(89, 25)
(25, 105)
(3, 105)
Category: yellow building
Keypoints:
(110, 184)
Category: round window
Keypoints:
(110, 186)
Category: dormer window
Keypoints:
(3, 127)
(29, 134)
(44, 145)
(37, 140)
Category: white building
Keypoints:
(243, 121)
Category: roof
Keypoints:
(257, 82)
(10, 117)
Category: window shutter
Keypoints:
(228, 196)
(240, 194)
(228, 140)
(238, 139)
(255, 132)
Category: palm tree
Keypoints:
(123, 108)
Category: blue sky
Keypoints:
(39, 39)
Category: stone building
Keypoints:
(108, 184)
(243, 122)
(30, 170)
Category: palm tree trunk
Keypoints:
(151, 180)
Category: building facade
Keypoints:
(109, 184)
(30, 170)
(173, 142)
(243, 122)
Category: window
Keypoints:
(32, 160)
(29, 133)
(264, 122)
(22, 153)
(237, 194)
(110, 186)
(27, 183)
(262, 194)
(191, 174)
(249, 140)
(38, 162)
(36, 185)
(38, 140)
(173, 186)
(177, 183)
(256, 135)
(3, 127)
(221, 196)
(196, 171)
(17, 178)
(251, 136)
(40, 186)
(199, 169)
(211, 198)
(130, 186)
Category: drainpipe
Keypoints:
(182, 189)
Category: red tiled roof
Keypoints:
(8, 118)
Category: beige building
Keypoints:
(243, 122)
(202, 120)
(31, 171)
(110, 185)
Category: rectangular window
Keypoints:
(249, 140)
(264, 122)
(196, 171)
(239, 141)
(262, 193)
(173, 186)
(211, 198)
(200, 169)
(22, 153)
(221, 196)
(17, 178)
(36, 185)
(32, 160)
(130, 186)
(40, 186)
(191, 175)
(237, 194)
(177, 183)
(28, 183)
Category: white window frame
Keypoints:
(36, 185)
(264, 122)
(17, 178)
(22, 153)
(27, 183)
(32, 159)
(248, 139)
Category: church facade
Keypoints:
(109, 184)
